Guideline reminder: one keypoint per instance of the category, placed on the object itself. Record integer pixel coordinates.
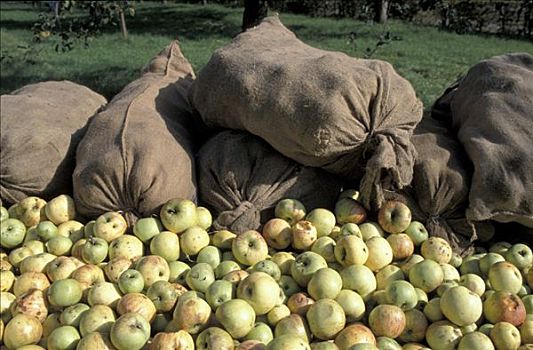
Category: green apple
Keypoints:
(153, 268)
(64, 292)
(505, 336)
(277, 233)
(193, 239)
(288, 285)
(88, 275)
(72, 315)
(520, 255)
(98, 318)
(370, 229)
(94, 250)
(295, 325)
(284, 261)
(193, 314)
(219, 292)
(437, 249)
(380, 253)
(487, 261)
(95, 340)
(258, 290)
(7, 279)
(354, 334)
(210, 255)
(349, 229)
(63, 338)
(290, 210)
(401, 294)
(46, 230)
(387, 275)
(475, 341)
(200, 277)
(126, 246)
(178, 272)
(237, 317)
(115, 267)
(349, 210)
(130, 332)
(323, 220)
(326, 319)
(6, 301)
(31, 211)
(214, 338)
(19, 254)
(360, 279)
(28, 281)
(426, 275)
(146, 228)
(351, 250)
(72, 229)
(305, 265)
(104, 293)
(203, 218)
(461, 306)
(288, 341)
(417, 232)
(60, 209)
(173, 340)
(88, 229)
(386, 343)
(304, 234)
(416, 325)
(473, 282)
(226, 267)
(59, 246)
(433, 311)
(325, 247)
(443, 335)
(277, 313)
(131, 281)
(267, 266)
(37, 247)
(505, 276)
(137, 303)
(22, 330)
(352, 304)
(261, 332)
(326, 283)
(249, 248)
(500, 247)
(222, 239)
(177, 215)
(110, 226)
(4, 214)
(163, 295)
(394, 217)
(12, 233)
(167, 245)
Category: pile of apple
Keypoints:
(323, 279)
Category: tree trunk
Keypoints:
(254, 12)
(204, 2)
(123, 27)
(383, 11)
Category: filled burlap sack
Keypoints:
(491, 110)
(438, 194)
(241, 179)
(40, 127)
(137, 152)
(352, 117)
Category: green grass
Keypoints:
(429, 58)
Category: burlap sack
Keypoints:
(136, 154)
(40, 127)
(351, 117)
(241, 179)
(491, 109)
(438, 194)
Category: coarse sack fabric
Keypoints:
(438, 194)
(491, 110)
(137, 153)
(351, 117)
(241, 179)
(40, 127)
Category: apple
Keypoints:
(99, 318)
(163, 295)
(72, 229)
(110, 226)
(443, 335)
(387, 320)
(222, 239)
(394, 217)
(46, 230)
(370, 229)
(401, 294)
(528, 303)
(203, 218)
(326, 318)
(299, 303)
(349, 210)
(380, 253)
(387, 275)
(487, 261)
(326, 283)
(504, 275)
(526, 331)
(104, 293)
(6, 300)
(437, 249)
(304, 234)
(72, 315)
(94, 251)
(94, 341)
(60, 209)
(456, 260)
(88, 275)
(179, 271)
(219, 292)
(146, 228)
(354, 333)
(322, 219)
(288, 341)
(470, 265)
(115, 267)
(261, 332)
(416, 325)
(234, 277)
(172, 340)
(352, 304)
(284, 261)
(59, 246)
(214, 338)
(126, 246)
(75, 250)
(461, 306)
(193, 239)
(290, 210)
(351, 250)
(305, 265)
(4, 214)
(130, 332)
(28, 281)
(504, 306)
(153, 268)
(475, 341)
(31, 211)
(295, 325)
(360, 279)
(19, 254)
(131, 281)
(288, 285)
(505, 336)
(210, 255)
(64, 292)
(417, 232)
(426, 275)
(450, 272)
(63, 338)
(433, 311)
(386, 343)
(250, 345)
(277, 233)
(520, 255)
(473, 282)
(137, 303)
(267, 266)
(406, 264)
(325, 247)
(193, 314)
(257, 289)
(177, 215)
(7, 278)
(37, 247)
(200, 277)
(350, 229)
(167, 245)
(249, 248)
(22, 330)
(402, 245)
(32, 303)
(12, 233)
(237, 317)
(277, 313)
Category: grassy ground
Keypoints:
(430, 59)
